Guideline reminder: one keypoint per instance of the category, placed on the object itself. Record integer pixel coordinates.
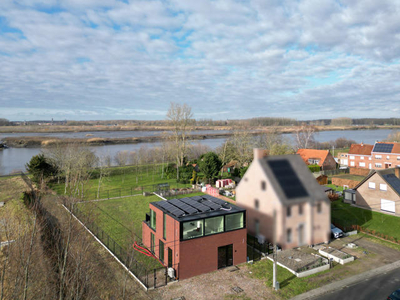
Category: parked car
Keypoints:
(336, 232)
(394, 296)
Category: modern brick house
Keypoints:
(196, 235)
(380, 191)
(284, 185)
(381, 155)
(323, 158)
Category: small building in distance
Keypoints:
(322, 158)
(196, 235)
(381, 155)
(285, 186)
(321, 178)
(380, 191)
(359, 156)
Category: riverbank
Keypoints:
(89, 140)
(41, 141)
(99, 128)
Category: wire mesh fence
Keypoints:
(256, 250)
(149, 277)
(161, 188)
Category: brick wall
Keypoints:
(341, 182)
(358, 171)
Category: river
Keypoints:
(14, 159)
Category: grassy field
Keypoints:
(290, 285)
(125, 181)
(122, 220)
(346, 215)
(339, 150)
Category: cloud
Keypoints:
(227, 59)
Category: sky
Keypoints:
(111, 59)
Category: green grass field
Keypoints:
(346, 215)
(120, 184)
(122, 220)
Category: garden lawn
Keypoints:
(119, 183)
(289, 284)
(122, 220)
(346, 215)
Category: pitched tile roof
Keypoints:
(306, 154)
(361, 149)
(388, 175)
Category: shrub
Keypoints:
(314, 168)
(333, 197)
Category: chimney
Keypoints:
(362, 144)
(397, 172)
(258, 153)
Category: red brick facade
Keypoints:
(195, 256)
(363, 156)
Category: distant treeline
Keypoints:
(253, 122)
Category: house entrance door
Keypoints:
(169, 258)
(225, 256)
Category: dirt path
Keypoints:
(218, 285)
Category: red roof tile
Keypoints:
(312, 153)
(361, 149)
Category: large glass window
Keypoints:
(233, 221)
(153, 219)
(161, 250)
(192, 229)
(152, 242)
(214, 225)
(164, 226)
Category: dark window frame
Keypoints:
(288, 211)
(263, 185)
(203, 219)
(161, 250)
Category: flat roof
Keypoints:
(196, 207)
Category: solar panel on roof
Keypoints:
(393, 181)
(171, 208)
(287, 179)
(183, 206)
(211, 204)
(383, 148)
(197, 205)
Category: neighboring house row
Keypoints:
(322, 158)
(381, 155)
(196, 235)
(284, 186)
(379, 191)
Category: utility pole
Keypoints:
(275, 256)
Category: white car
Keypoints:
(336, 232)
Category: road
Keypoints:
(377, 287)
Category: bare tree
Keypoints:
(122, 158)
(180, 117)
(104, 171)
(305, 136)
(243, 143)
